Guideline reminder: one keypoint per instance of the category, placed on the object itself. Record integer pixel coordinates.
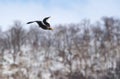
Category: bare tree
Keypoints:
(15, 38)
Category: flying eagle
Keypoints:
(43, 24)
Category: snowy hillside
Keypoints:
(71, 51)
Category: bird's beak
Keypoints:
(50, 28)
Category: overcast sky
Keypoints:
(61, 11)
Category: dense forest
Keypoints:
(71, 51)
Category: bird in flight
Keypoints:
(43, 24)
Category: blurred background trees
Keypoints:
(71, 51)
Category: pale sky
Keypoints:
(61, 11)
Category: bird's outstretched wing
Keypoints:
(30, 22)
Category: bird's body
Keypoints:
(43, 24)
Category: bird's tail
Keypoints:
(30, 22)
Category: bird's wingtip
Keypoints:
(29, 22)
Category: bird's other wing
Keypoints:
(45, 21)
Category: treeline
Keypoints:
(71, 51)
